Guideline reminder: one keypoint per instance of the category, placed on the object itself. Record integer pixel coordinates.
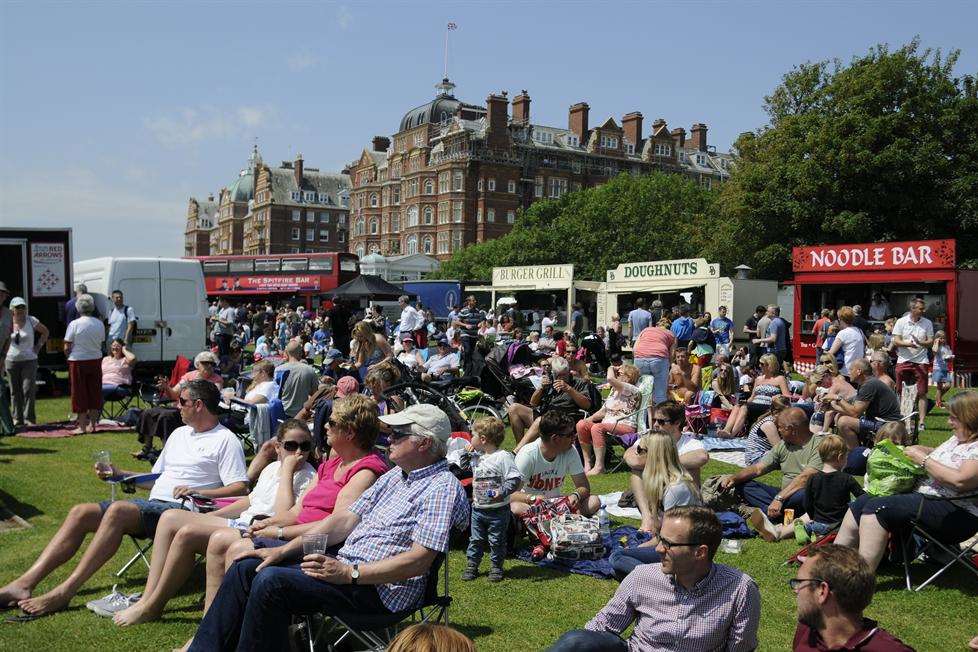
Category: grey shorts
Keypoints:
(150, 512)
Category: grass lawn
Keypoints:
(40, 479)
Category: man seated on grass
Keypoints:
(391, 536)
(202, 457)
(796, 456)
(668, 417)
(833, 588)
(545, 462)
(685, 603)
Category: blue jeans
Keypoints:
(583, 640)
(253, 611)
(491, 524)
(658, 368)
(758, 494)
(625, 560)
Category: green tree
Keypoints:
(631, 218)
(884, 148)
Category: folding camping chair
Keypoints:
(119, 401)
(128, 484)
(923, 543)
(641, 421)
(375, 631)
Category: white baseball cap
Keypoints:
(424, 419)
(17, 301)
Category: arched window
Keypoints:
(359, 228)
(429, 215)
(427, 244)
(374, 226)
(359, 251)
(412, 216)
(429, 187)
(373, 200)
(412, 244)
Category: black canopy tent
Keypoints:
(371, 287)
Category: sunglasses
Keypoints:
(400, 433)
(185, 401)
(292, 446)
(17, 337)
(661, 422)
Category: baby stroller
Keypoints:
(595, 354)
(495, 378)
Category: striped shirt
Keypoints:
(471, 317)
(721, 612)
(398, 511)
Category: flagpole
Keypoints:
(446, 53)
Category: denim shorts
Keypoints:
(150, 512)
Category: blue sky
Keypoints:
(113, 114)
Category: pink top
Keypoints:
(196, 375)
(654, 342)
(116, 371)
(320, 501)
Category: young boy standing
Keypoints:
(494, 478)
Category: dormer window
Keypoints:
(701, 160)
(309, 196)
(323, 198)
(572, 140)
(663, 150)
(543, 137)
(609, 142)
(629, 148)
(295, 195)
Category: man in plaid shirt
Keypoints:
(392, 534)
(687, 603)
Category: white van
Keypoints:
(168, 297)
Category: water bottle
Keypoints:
(604, 523)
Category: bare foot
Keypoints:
(763, 525)
(597, 470)
(646, 527)
(135, 615)
(13, 593)
(48, 603)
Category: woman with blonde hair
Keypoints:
(952, 470)
(431, 637)
(666, 484)
(768, 384)
(616, 417)
(368, 348)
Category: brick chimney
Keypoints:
(577, 121)
(632, 126)
(381, 143)
(498, 119)
(679, 137)
(698, 137)
(297, 167)
(521, 108)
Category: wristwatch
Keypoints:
(778, 498)
(281, 533)
(355, 574)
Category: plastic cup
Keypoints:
(731, 546)
(103, 461)
(314, 544)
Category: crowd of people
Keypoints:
(368, 477)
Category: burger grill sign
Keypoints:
(924, 254)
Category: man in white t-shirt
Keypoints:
(668, 418)
(545, 462)
(913, 335)
(203, 458)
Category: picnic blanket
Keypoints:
(610, 502)
(621, 537)
(60, 429)
(730, 457)
(721, 444)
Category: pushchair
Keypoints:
(595, 354)
(495, 378)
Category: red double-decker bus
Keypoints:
(276, 277)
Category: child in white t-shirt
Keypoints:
(494, 478)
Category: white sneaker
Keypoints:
(113, 603)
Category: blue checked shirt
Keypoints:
(398, 511)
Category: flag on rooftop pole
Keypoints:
(452, 26)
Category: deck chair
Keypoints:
(641, 415)
(807, 550)
(128, 484)
(119, 401)
(375, 631)
(147, 392)
(918, 542)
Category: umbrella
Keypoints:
(369, 286)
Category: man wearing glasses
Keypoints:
(833, 587)
(686, 603)
(202, 457)
(796, 455)
(391, 535)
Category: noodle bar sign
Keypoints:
(923, 254)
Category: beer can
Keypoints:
(789, 516)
